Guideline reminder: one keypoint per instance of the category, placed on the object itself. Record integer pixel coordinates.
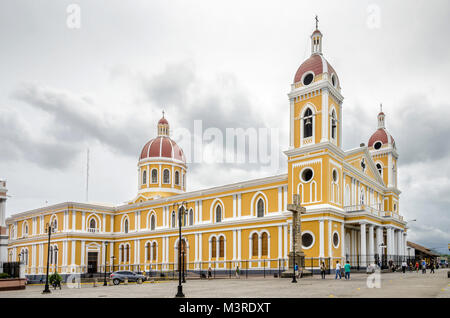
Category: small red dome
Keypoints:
(381, 135)
(316, 64)
(162, 146)
(163, 121)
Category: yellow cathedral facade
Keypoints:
(351, 199)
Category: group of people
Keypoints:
(341, 269)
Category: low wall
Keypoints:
(12, 284)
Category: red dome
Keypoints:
(381, 135)
(162, 146)
(163, 121)
(316, 64)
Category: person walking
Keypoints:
(209, 272)
(347, 270)
(296, 270)
(417, 266)
(432, 267)
(404, 266)
(338, 270)
(237, 272)
(424, 267)
(322, 270)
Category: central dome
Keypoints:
(162, 147)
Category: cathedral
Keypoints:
(351, 199)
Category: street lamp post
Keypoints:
(181, 211)
(49, 228)
(106, 253)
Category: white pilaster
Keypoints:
(321, 239)
(362, 244)
(371, 251)
(324, 115)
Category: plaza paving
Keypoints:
(391, 285)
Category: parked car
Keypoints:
(119, 277)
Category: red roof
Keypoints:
(162, 146)
(314, 64)
(380, 135)
(163, 121)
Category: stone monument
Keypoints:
(297, 210)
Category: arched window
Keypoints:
(218, 214)
(264, 244)
(308, 123)
(51, 255)
(191, 217)
(184, 181)
(213, 247)
(333, 125)
(25, 229)
(127, 253)
(177, 178)
(122, 253)
(147, 251)
(380, 169)
(92, 225)
(255, 244)
(152, 222)
(361, 197)
(144, 177)
(260, 208)
(12, 231)
(55, 224)
(221, 246)
(166, 176)
(185, 218)
(154, 176)
(173, 219)
(154, 250)
(125, 225)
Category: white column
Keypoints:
(330, 248)
(362, 245)
(285, 244)
(405, 244)
(379, 241)
(239, 245)
(291, 123)
(389, 241)
(321, 239)
(324, 115)
(83, 245)
(342, 240)
(371, 251)
(234, 206)
(279, 241)
(234, 244)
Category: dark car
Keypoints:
(119, 277)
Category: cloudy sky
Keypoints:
(230, 64)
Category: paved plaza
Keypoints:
(411, 284)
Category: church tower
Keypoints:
(384, 153)
(315, 169)
(315, 100)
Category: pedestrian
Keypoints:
(296, 270)
(322, 270)
(237, 272)
(209, 272)
(432, 267)
(338, 270)
(404, 267)
(347, 270)
(417, 266)
(424, 267)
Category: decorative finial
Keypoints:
(163, 113)
(381, 107)
(317, 22)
